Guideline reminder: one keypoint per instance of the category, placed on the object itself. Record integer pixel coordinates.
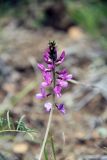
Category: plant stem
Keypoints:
(53, 148)
(17, 131)
(46, 134)
(49, 120)
(3, 131)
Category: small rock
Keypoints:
(20, 148)
(75, 33)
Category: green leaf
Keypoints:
(8, 120)
(53, 147)
(45, 153)
(20, 122)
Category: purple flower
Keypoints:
(47, 57)
(61, 108)
(64, 75)
(42, 94)
(61, 58)
(42, 68)
(57, 91)
(48, 106)
(51, 66)
(62, 72)
(62, 83)
(56, 80)
(47, 76)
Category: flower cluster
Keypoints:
(57, 80)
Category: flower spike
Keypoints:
(56, 80)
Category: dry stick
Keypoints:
(82, 83)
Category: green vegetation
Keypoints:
(91, 16)
(7, 125)
(88, 16)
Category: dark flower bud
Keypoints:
(52, 51)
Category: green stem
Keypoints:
(3, 131)
(45, 153)
(53, 148)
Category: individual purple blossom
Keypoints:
(42, 94)
(42, 68)
(47, 76)
(61, 58)
(48, 106)
(62, 83)
(61, 108)
(57, 91)
(51, 66)
(57, 80)
(46, 57)
(64, 75)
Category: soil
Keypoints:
(80, 134)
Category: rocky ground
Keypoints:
(81, 133)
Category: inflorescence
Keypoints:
(56, 80)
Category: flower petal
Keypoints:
(69, 77)
(42, 93)
(61, 108)
(44, 84)
(51, 66)
(47, 57)
(57, 91)
(48, 106)
(64, 71)
(41, 67)
(47, 77)
(62, 83)
(64, 75)
(61, 58)
(39, 96)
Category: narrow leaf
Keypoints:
(8, 120)
(19, 122)
(53, 147)
(45, 154)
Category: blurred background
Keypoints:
(80, 28)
